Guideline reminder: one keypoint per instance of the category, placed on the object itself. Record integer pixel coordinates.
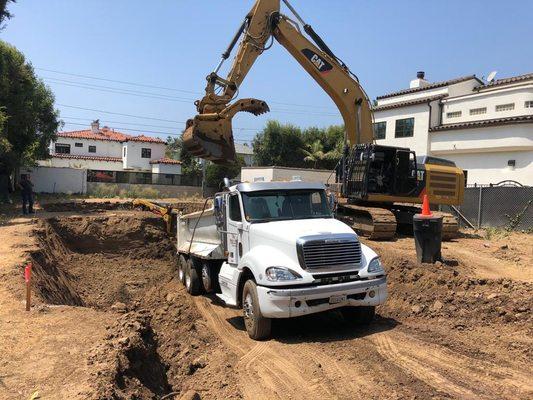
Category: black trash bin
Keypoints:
(427, 231)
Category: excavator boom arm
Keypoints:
(209, 134)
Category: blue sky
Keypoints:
(173, 44)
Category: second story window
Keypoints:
(77, 144)
(505, 107)
(92, 149)
(124, 152)
(379, 129)
(478, 111)
(528, 104)
(404, 127)
(146, 153)
(62, 148)
(454, 114)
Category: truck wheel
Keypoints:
(208, 280)
(192, 279)
(182, 267)
(258, 327)
(361, 316)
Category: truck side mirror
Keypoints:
(218, 205)
(331, 201)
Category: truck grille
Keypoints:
(332, 253)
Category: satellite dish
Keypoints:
(491, 76)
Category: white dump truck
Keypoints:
(275, 250)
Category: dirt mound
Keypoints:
(444, 292)
(162, 345)
(87, 206)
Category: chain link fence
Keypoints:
(509, 207)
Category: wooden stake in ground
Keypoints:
(27, 278)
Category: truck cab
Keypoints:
(275, 250)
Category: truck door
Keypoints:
(234, 229)
(405, 173)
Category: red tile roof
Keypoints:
(521, 119)
(507, 81)
(165, 160)
(106, 133)
(431, 86)
(92, 158)
(408, 103)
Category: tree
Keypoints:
(191, 169)
(4, 13)
(279, 144)
(30, 121)
(215, 173)
(314, 153)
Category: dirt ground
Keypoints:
(110, 321)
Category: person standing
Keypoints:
(26, 187)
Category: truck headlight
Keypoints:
(375, 266)
(277, 274)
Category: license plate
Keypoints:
(337, 299)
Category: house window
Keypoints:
(379, 130)
(528, 104)
(124, 152)
(454, 114)
(478, 111)
(146, 153)
(505, 107)
(62, 148)
(404, 127)
(92, 149)
(77, 144)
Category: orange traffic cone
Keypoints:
(425, 207)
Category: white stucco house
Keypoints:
(246, 152)
(105, 151)
(486, 128)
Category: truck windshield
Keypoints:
(275, 205)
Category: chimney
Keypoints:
(419, 81)
(95, 126)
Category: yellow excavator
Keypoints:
(376, 186)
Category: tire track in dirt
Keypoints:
(266, 371)
(493, 378)
(449, 372)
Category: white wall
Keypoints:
(488, 139)
(104, 148)
(166, 169)
(419, 141)
(485, 168)
(81, 164)
(248, 174)
(58, 180)
(489, 99)
(133, 159)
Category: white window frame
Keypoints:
(504, 107)
(478, 111)
(454, 114)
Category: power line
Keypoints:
(146, 131)
(165, 88)
(126, 123)
(116, 81)
(134, 116)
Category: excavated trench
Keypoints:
(125, 264)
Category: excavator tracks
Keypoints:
(381, 224)
(373, 222)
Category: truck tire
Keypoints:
(208, 277)
(360, 316)
(192, 279)
(182, 267)
(257, 326)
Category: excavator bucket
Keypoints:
(210, 136)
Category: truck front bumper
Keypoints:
(287, 303)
